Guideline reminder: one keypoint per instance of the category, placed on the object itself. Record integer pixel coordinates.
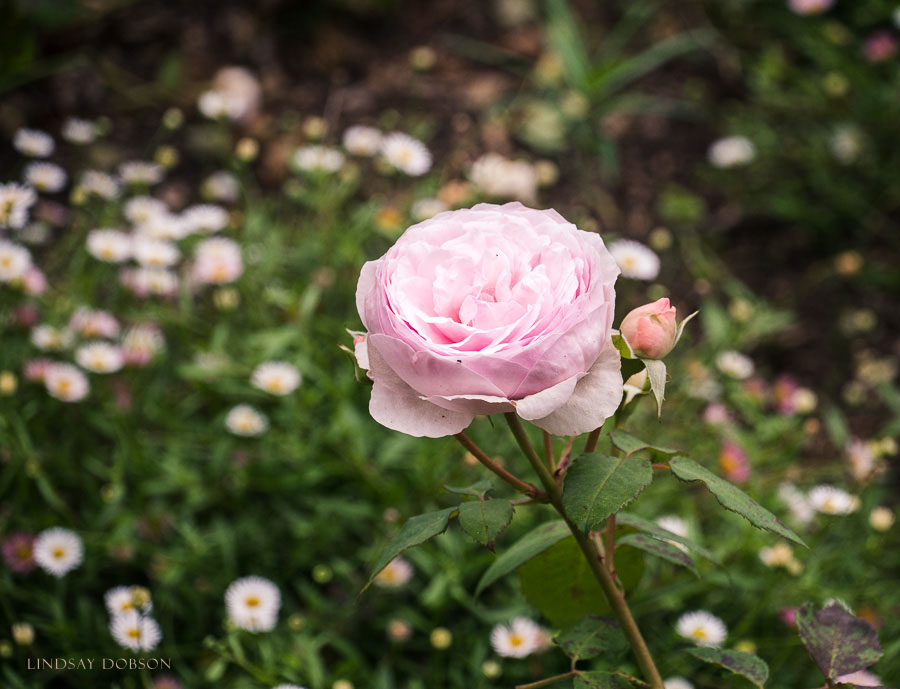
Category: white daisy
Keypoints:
(58, 551)
(397, 573)
(78, 131)
(276, 377)
(100, 184)
(219, 105)
(141, 172)
(362, 141)
(317, 158)
(830, 500)
(221, 186)
(252, 603)
(90, 323)
(46, 177)
(141, 343)
(405, 153)
(732, 151)
(66, 382)
(735, 365)
(142, 209)
(798, 503)
(217, 261)
(15, 200)
(246, 421)
(205, 218)
(126, 599)
(15, 260)
(427, 208)
(49, 339)
(34, 143)
(146, 281)
(846, 143)
(635, 260)
(520, 639)
(164, 225)
(242, 87)
(501, 178)
(108, 245)
(677, 683)
(135, 631)
(99, 357)
(701, 627)
(155, 253)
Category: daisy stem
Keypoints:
(547, 681)
(528, 489)
(613, 595)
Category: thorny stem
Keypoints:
(528, 489)
(547, 681)
(613, 595)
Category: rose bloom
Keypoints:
(488, 310)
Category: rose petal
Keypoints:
(545, 402)
(475, 404)
(595, 399)
(365, 287)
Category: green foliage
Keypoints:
(838, 642)
(659, 548)
(592, 636)
(599, 680)
(533, 543)
(739, 662)
(484, 520)
(598, 486)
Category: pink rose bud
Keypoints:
(651, 329)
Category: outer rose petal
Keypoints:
(365, 287)
(474, 404)
(396, 405)
(595, 399)
(545, 402)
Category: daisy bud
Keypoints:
(23, 633)
(651, 329)
(491, 669)
(441, 638)
(881, 518)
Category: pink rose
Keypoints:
(487, 310)
(651, 329)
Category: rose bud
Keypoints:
(651, 329)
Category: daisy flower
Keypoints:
(362, 141)
(100, 184)
(635, 260)
(15, 260)
(142, 209)
(520, 639)
(15, 200)
(146, 281)
(155, 253)
(45, 177)
(58, 551)
(140, 172)
(317, 158)
(89, 323)
(830, 500)
(205, 218)
(677, 683)
(780, 555)
(276, 377)
(33, 143)
(501, 178)
(217, 261)
(397, 573)
(734, 364)
(221, 186)
(126, 599)
(141, 343)
(78, 131)
(405, 153)
(163, 226)
(99, 357)
(47, 338)
(732, 151)
(66, 382)
(135, 631)
(108, 245)
(246, 421)
(18, 552)
(701, 627)
(798, 503)
(252, 603)
(235, 95)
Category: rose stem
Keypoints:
(615, 597)
(522, 486)
(549, 457)
(610, 539)
(592, 439)
(547, 681)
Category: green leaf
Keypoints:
(559, 582)
(592, 636)
(656, 371)
(629, 444)
(598, 485)
(415, 532)
(476, 490)
(597, 679)
(732, 498)
(838, 642)
(666, 551)
(740, 663)
(533, 543)
(484, 520)
(652, 528)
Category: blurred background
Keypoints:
(748, 147)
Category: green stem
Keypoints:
(528, 489)
(547, 681)
(592, 439)
(549, 456)
(613, 595)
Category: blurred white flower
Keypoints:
(520, 639)
(780, 555)
(881, 518)
(97, 183)
(406, 154)
(732, 151)
(221, 186)
(276, 377)
(318, 158)
(143, 282)
(427, 208)
(141, 343)
(217, 261)
(141, 172)
(246, 421)
(798, 503)
(58, 551)
(735, 365)
(34, 282)
(47, 338)
(677, 526)
(252, 603)
(154, 253)
(15, 260)
(78, 131)
(846, 143)
(204, 218)
(46, 177)
(218, 105)
(830, 500)
(164, 225)
(109, 245)
(33, 143)
(237, 91)
(397, 573)
(635, 260)
(66, 382)
(809, 6)
(99, 357)
(135, 631)
(703, 628)
(861, 458)
(677, 683)
(121, 600)
(142, 209)
(501, 178)
(362, 141)
(90, 323)
(15, 200)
